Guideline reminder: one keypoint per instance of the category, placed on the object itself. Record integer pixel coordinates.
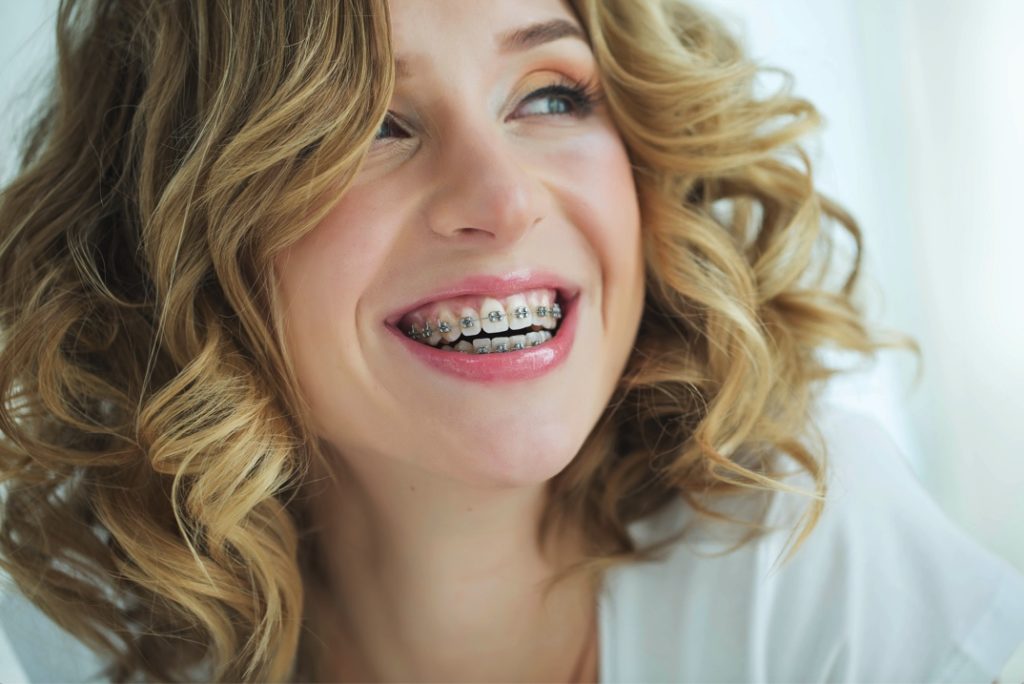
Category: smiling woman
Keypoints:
(440, 341)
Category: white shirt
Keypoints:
(886, 589)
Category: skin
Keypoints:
(426, 534)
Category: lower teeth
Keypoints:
(499, 345)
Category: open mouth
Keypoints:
(485, 325)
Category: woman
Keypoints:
(373, 341)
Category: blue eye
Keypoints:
(573, 98)
(386, 125)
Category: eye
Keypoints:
(568, 97)
(388, 127)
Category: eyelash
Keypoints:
(583, 95)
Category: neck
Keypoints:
(419, 579)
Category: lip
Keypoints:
(496, 286)
(524, 364)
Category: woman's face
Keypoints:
(491, 187)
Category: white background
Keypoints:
(924, 143)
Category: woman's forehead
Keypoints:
(423, 27)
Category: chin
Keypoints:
(525, 460)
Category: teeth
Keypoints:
(497, 345)
(469, 322)
(492, 316)
(517, 310)
(519, 314)
(448, 325)
(421, 329)
(541, 305)
(430, 335)
(533, 314)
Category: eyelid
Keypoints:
(586, 93)
(397, 120)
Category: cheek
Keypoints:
(598, 175)
(339, 253)
(597, 169)
(602, 182)
(322, 279)
(330, 269)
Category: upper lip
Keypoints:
(493, 285)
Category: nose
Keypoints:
(483, 194)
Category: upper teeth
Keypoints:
(470, 315)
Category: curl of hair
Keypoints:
(725, 371)
(151, 444)
(154, 441)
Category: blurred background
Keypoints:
(923, 102)
(923, 141)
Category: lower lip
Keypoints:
(523, 364)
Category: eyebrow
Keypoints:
(519, 39)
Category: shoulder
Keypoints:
(885, 588)
(897, 589)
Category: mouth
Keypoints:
(527, 340)
(483, 324)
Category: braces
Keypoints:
(503, 348)
(494, 316)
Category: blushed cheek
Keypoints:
(597, 167)
(598, 175)
(322, 278)
(333, 266)
(341, 251)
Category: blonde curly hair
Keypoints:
(154, 443)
